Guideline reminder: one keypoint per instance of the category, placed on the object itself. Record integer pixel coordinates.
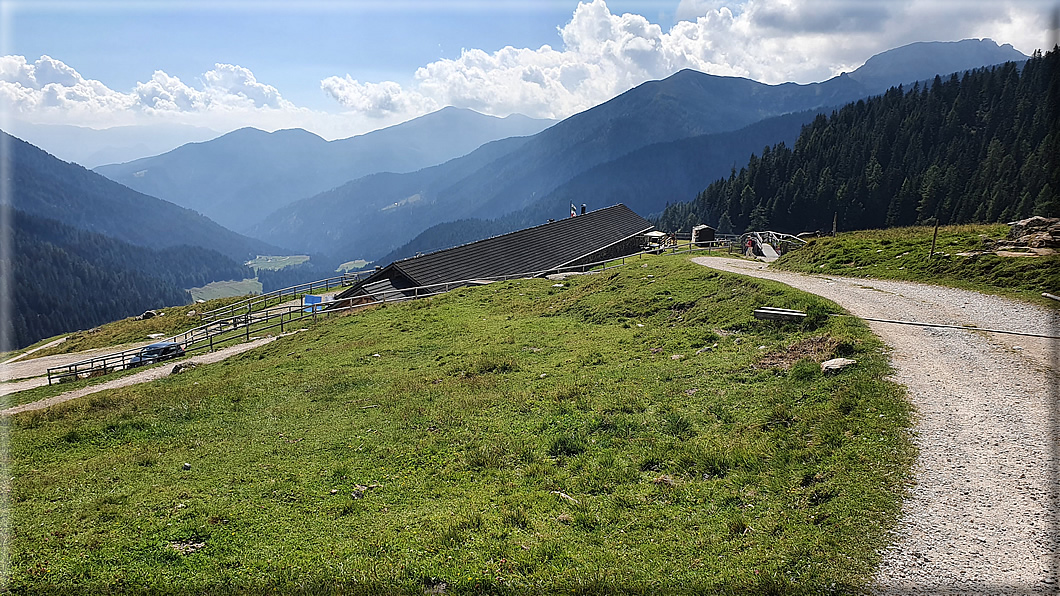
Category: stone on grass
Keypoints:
(187, 466)
(836, 364)
(183, 366)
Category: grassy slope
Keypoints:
(713, 471)
(902, 254)
(174, 320)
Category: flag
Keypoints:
(573, 210)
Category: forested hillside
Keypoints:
(67, 279)
(980, 148)
(47, 187)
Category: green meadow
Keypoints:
(635, 431)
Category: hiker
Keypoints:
(750, 247)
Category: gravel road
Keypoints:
(982, 516)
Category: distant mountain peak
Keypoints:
(925, 59)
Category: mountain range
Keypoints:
(45, 186)
(240, 177)
(371, 217)
(92, 147)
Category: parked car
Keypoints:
(157, 352)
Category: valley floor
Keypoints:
(982, 515)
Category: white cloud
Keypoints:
(604, 54)
(48, 91)
(49, 85)
(376, 100)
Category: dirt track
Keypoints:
(982, 517)
(149, 374)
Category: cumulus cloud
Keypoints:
(50, 91)
(49, 84)
(376, 100)
(604, 54)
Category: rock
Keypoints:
(187, 466)
(334, 491)
(148, 314)
(836, 364)
(706, 349)
(677, 357)
(1041, 240)
(191, 313)
(1032, 225)
(183, 366)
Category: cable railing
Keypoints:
(248, 323)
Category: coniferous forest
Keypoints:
(980, 147)
(67, 279)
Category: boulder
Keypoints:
(148, 314)
(1032, 225)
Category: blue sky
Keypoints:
(342, 67)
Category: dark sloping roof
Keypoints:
(540, 248)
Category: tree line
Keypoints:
(980, 147)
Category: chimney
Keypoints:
(583, 208)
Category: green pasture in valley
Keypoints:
(226, 289)
(276, 262)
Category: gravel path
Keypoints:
(37, 367)
(982, 516)
(34, 350)
(149, 374)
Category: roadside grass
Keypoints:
(276, 263)
(903, 254)
(635, 430)
(226, 289)
(174, 320)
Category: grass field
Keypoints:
(904, 254)
(226, 289)
(635, 430)
(355, 265)
(276, 262)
